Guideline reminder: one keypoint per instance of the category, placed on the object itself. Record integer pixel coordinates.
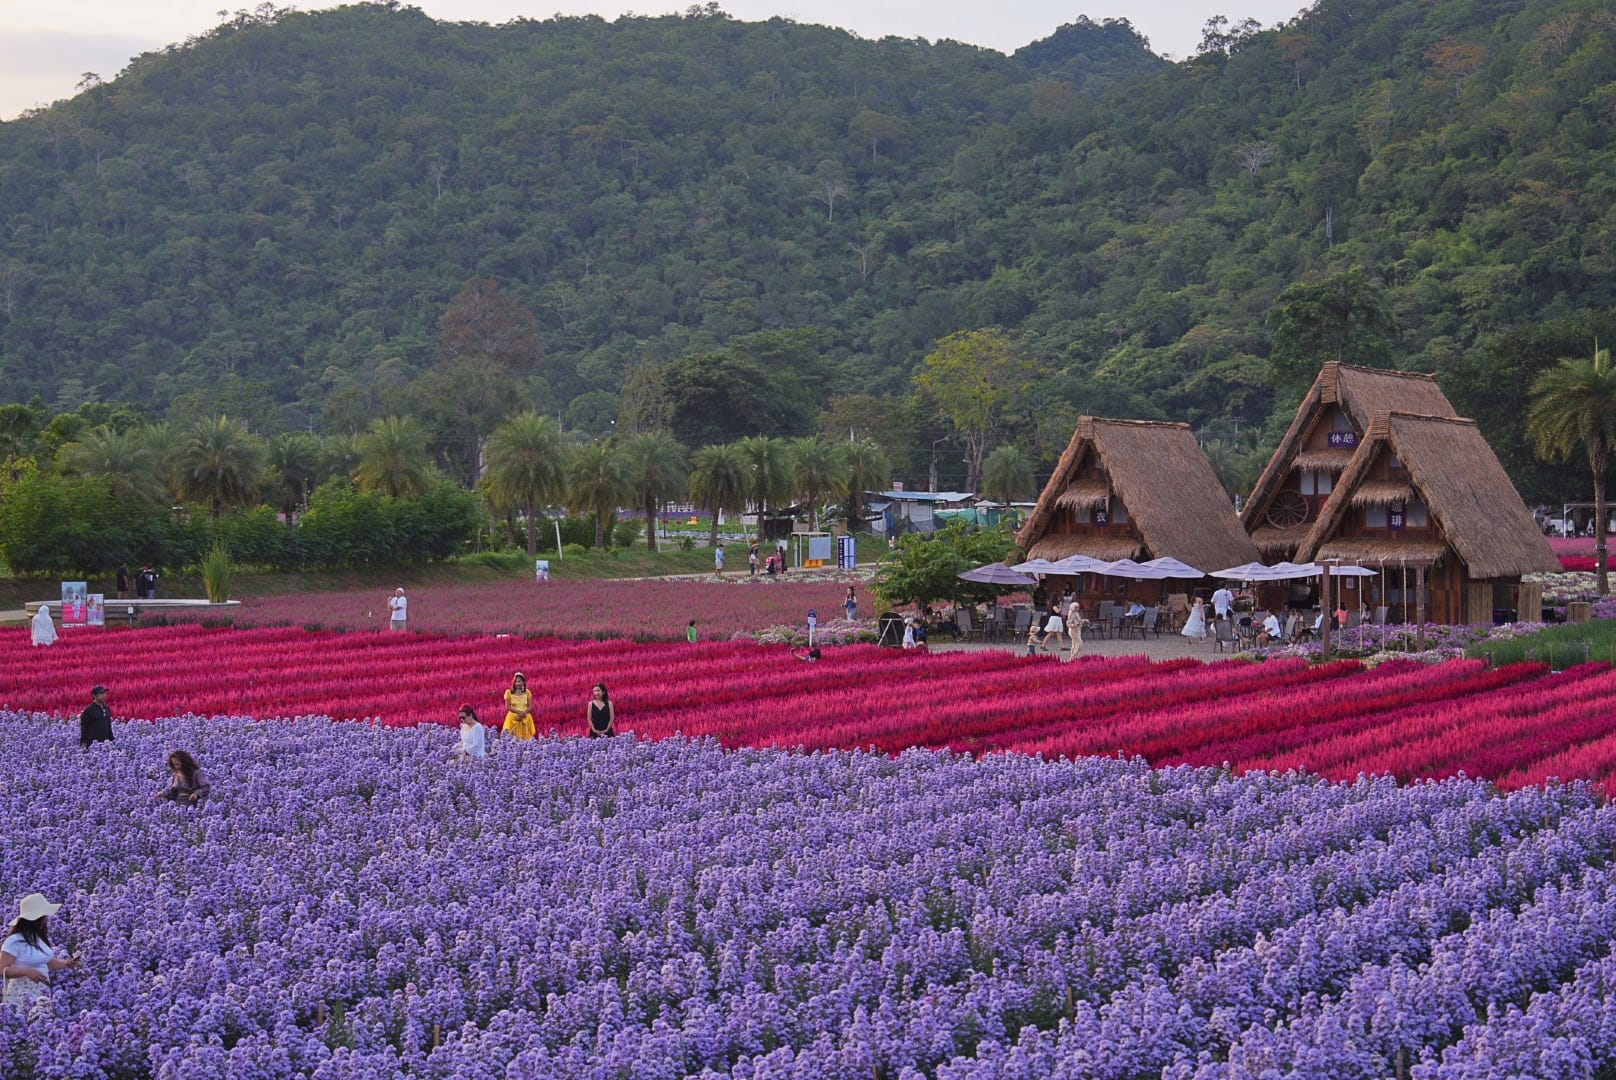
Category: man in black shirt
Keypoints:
(95, 722)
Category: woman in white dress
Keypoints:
(1074, 625)
(1054, 627)
(1195, 625)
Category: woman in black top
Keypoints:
(600, 714)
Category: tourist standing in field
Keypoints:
(752, 562)
(519, 708)
(718, 558)
(690, 632)
(95, 722)
(398, 610)
(146, 582)
(185, 782)
(1222, 602)
(851, 604)
(473, 740)
(1074, 624)
(123, 581)
(43, 630)
(27, 957)
(602, 716)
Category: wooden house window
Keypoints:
(1119, 514)
(1316, 482)
(1374, 517)
(1418, 516)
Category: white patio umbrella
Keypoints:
(1251, 571)
(1351, 571)
(1035, 566)
(1283, 571)
(1137, 571)
(995, 574)
(1174, 568)
(1077, 564)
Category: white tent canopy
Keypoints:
(1174, 568)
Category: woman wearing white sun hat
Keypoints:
(27, 957)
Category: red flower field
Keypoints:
(1517, 724)
(653, 608)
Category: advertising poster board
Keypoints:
(75, 603)
(97, 615)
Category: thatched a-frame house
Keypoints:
(1135, 489)
(1425, 496)
(1331, 421)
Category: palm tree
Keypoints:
(393, 458)
(813, 473)
(719, 481)
(596, 482)
(864, 467)
(295, 458)
(770, 469)
(525, 467)
(123, 457)
(219, 462)
(164, 444)
(655, 466)
(1574, 408)
(1007, 476)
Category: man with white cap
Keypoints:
(397, 610)
(27, 957)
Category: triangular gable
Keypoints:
(1363, 394)
(1453, 471)
(1158, 472)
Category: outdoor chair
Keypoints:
(1380, 615)
(1287, 633)
(1147, 622)
(964, 625)
(1223, 636)
(1354, 619)
(993, 625)
(1023, 621)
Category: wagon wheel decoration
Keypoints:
(1288, 510)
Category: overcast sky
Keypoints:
(47, 45)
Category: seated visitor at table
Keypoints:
(1270, 629)
(1135, 609)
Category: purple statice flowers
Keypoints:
(350, 903)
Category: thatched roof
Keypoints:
(1363, 393)
(1382, 493)
(1452, 469)
(1172, 496)
(1330, 461)
(1084, 495)
(1374, 553)
(1272, 541)
(1056, 547)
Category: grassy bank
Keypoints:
(1558, 646)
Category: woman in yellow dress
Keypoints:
(519, 708)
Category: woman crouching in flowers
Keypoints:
(519, 708)
(27, 957)
(185, 783)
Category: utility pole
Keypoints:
(932, 486)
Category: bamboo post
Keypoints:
(319, 1014)
(437, 1035)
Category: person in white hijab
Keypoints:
(44, 629)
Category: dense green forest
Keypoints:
(310, 221)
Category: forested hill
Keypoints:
(272, 219)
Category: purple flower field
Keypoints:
(350, 904)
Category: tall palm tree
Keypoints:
(864, 467)
(597, 482)
(1574, 408)
(123, 457)
(219, 463)
(393, 458)
(771, 471)
(719, 481)
(813, 473)
(339, 456)
(164, 443)
(525, 467)
(1007, 475)
(655, 466)
(295, 458)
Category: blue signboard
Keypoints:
(1396, 517)
(1343, 440)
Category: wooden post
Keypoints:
(1419, 605)
(1326, 609)
(437, 1035)
(319, 1014)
